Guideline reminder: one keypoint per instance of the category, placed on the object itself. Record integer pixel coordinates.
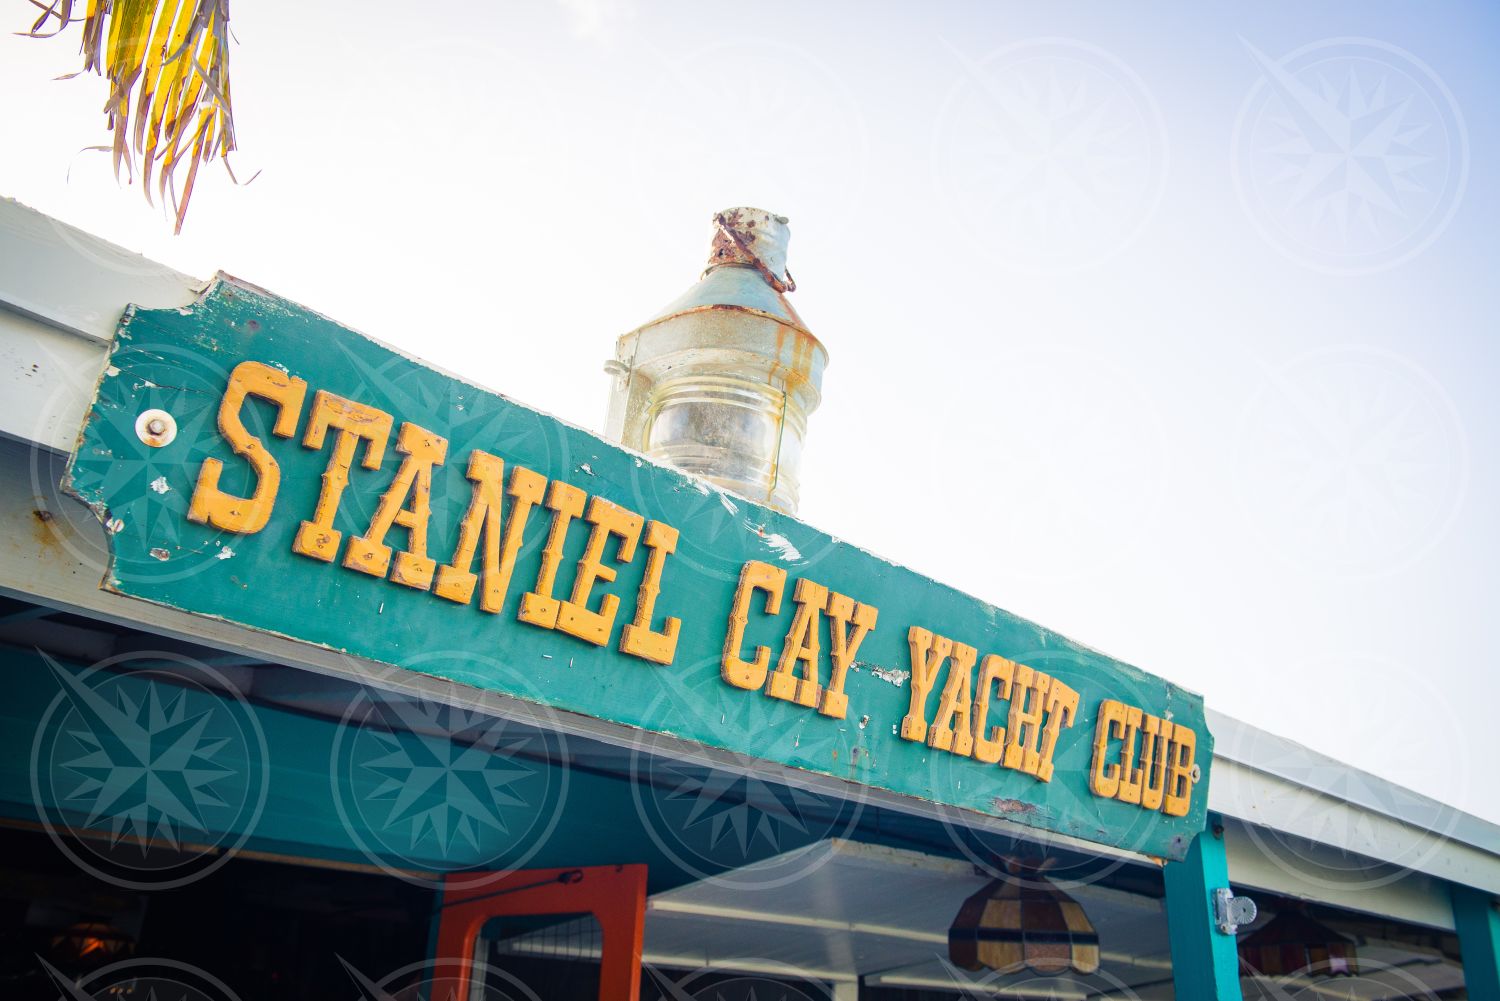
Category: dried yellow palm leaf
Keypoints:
(59, 10)
(164, 92)
(169, 59)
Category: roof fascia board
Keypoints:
(75, 281)
(1281, 814)
(1288, 761)
(1323, 875)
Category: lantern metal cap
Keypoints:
(746, 270)
(753, 238)
(731, 288)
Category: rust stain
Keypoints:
(46, 536)
(775, 374)
(803, 349)
(733, 243)
(1013, 806)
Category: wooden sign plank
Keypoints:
(259, 463)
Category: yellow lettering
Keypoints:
(1155, 743)
(844, 646)
(801, 645)
(951, 731)
(1062, 706)
(246, 515)
(1180, 772)
(1160, 776)
(754, 576)
(1104, 777)
(368, 553)
(1025, 724)
(538, 607)
(928, 651)
(993, 670)
(575, 617)
(1130, 779)
(353, 422)
(637, 638)
(456, 581)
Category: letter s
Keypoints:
(245, 515)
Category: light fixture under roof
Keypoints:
(1291, 943)
(1022, 921)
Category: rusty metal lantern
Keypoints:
(720, 383)
(1292, 942)
(1023, 921)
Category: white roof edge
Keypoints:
(1248, 745)
(76, 281)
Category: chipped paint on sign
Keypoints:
(891, 675)
(783, 548)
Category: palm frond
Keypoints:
(170, 60)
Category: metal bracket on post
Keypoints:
(1230, 912)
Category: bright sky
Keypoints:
(1170, 326)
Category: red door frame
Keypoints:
(614, 894)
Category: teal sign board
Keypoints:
(258, 463)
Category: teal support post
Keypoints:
(1477, 921)
(1205, 963)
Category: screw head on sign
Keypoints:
(156, 428)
